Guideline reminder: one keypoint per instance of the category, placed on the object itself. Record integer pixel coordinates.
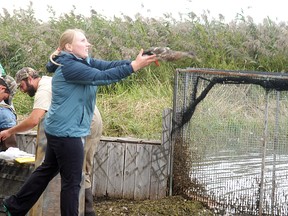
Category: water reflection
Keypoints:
(233, 181)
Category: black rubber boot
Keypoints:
(89, 209)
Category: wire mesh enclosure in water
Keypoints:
(234, 124)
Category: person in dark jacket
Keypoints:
(67, 123)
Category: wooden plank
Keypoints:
(130, 140)
(167, 150)
(115, 172)
(159, 173)
(129, 171)
(155, 174)
(143, 164)
(28, 133)
(26, 142)
(100, 170)
(160, 162)
(21, 141)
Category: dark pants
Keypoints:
(63, 154)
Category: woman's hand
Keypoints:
(142, 61)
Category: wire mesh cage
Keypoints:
(234, 125)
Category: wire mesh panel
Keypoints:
(235, 126)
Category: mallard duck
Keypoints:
(166, 54)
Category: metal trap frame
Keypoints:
(235, 126)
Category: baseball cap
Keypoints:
(25, 73)
(11, 85)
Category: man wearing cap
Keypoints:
(8, 116)
(29, 82)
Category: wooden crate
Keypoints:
(133, 168)
(12, 177)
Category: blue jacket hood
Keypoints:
(51, 67)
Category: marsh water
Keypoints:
(234, 181)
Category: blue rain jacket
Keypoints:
(74, 87)
(7, 118)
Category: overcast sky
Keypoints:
(257, 9)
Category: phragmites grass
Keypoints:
(240, 44)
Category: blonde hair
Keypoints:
(67, 37)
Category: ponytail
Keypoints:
(55, 54)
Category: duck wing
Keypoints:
(158, 51)
(166, 54)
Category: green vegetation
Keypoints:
(134, 107)
(174, 205)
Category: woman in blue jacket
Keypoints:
(68, 120)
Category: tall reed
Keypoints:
(134, 107)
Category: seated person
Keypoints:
(8, 116)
